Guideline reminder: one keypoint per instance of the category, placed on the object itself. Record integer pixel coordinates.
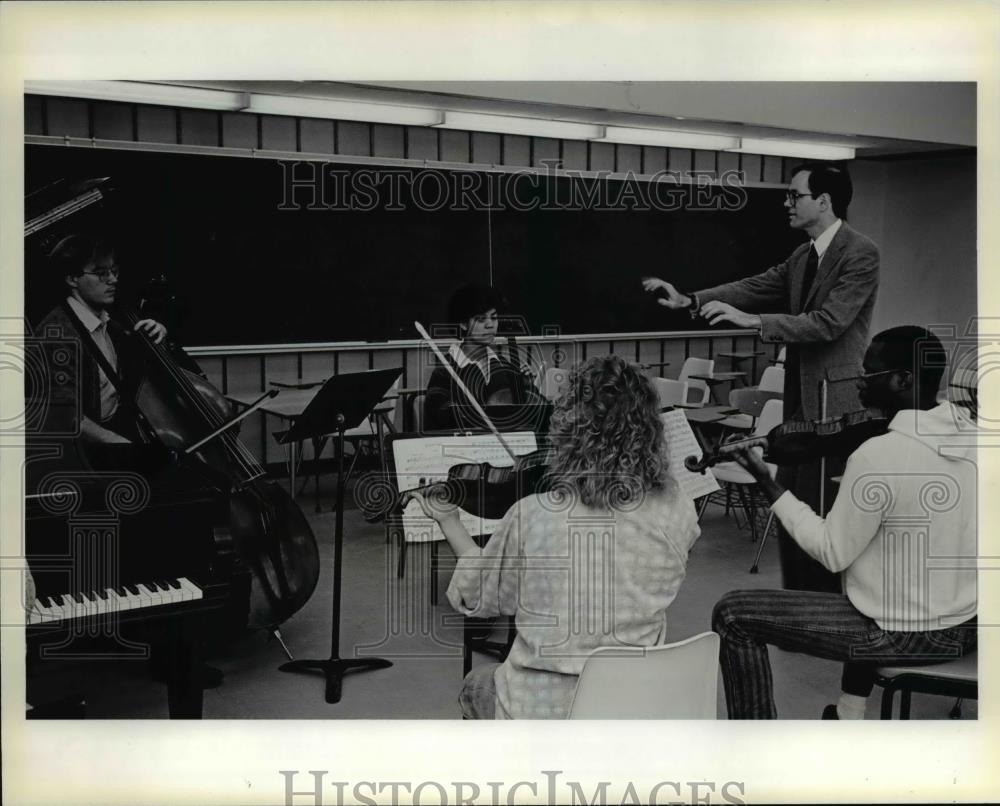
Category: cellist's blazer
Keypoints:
(830, 333)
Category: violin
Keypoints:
(179, 409)
(480, 489)
(794, 443)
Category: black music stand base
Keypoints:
(346, 400)
(334, 670)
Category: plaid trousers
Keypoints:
(823, 625)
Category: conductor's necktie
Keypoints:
(812, 263)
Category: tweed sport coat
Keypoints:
(828, 336)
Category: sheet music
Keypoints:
(682, 443)
(424, 460)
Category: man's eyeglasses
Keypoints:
(111, 272)
(792, 196)
(867, 376)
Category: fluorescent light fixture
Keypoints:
(531, 127)
(792, 148)
(140, 93)
(343, 110)
(662, 137)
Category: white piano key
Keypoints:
(174, 595)
(115, 602)
(89, 607)
(149, 597)
(189, 586)
(72, 607)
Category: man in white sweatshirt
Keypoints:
(902, 529)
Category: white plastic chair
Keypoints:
(671, 392)
(555, 382)
(674, 681)
(699, 389)
(773, 379)
(780, 360)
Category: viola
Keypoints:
(794, 443)
(480, 489)
(268, 530)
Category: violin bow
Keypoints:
(465, 390)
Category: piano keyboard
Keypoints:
(82, 604)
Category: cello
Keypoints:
(268, 530)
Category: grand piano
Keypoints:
(126, 569)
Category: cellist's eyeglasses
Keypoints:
(105, 274)
(867, 376)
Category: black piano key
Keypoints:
(103, 595)
(45, 601)
(132, 589)
(58, 599)
(120, 590)
(173, 583)
(162, 586)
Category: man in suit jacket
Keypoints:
(87, 266)
(826, 292)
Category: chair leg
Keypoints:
(401, 562)
(729, 496)
(748, 509)
(434, 572)
(956, 709)
(760, 549)
(887, 697)
(702, 506)
(904, 704)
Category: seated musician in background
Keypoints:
(906, 498)
(86, 264)
(492, 380)
(608, 467)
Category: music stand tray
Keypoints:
(343, 402)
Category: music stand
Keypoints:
(342, 403)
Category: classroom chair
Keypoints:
(699, 390)
(674, 681)
(954, 678)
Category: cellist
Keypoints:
(86, 265)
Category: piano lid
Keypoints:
(54, 202)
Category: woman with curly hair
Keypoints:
(593, 562)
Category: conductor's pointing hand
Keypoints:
(666, 294)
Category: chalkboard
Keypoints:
(261, 252)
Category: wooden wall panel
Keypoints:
(455, 146)
(629, 159)
(654, 159)
(316, 136)
(602, 156)
(772, 169)
(545, 152)
(728, 162)
(574, 155)
(34, 114)
(68, 117)
(421, 143)
(752, 166)
(114, 121)
(353, 138)
(199, 127)
(486, 148)
(239, 130)
(278, 133)
(388, 141)
(516, 150)
(704, 161)
(155, 124)
(680, 160)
